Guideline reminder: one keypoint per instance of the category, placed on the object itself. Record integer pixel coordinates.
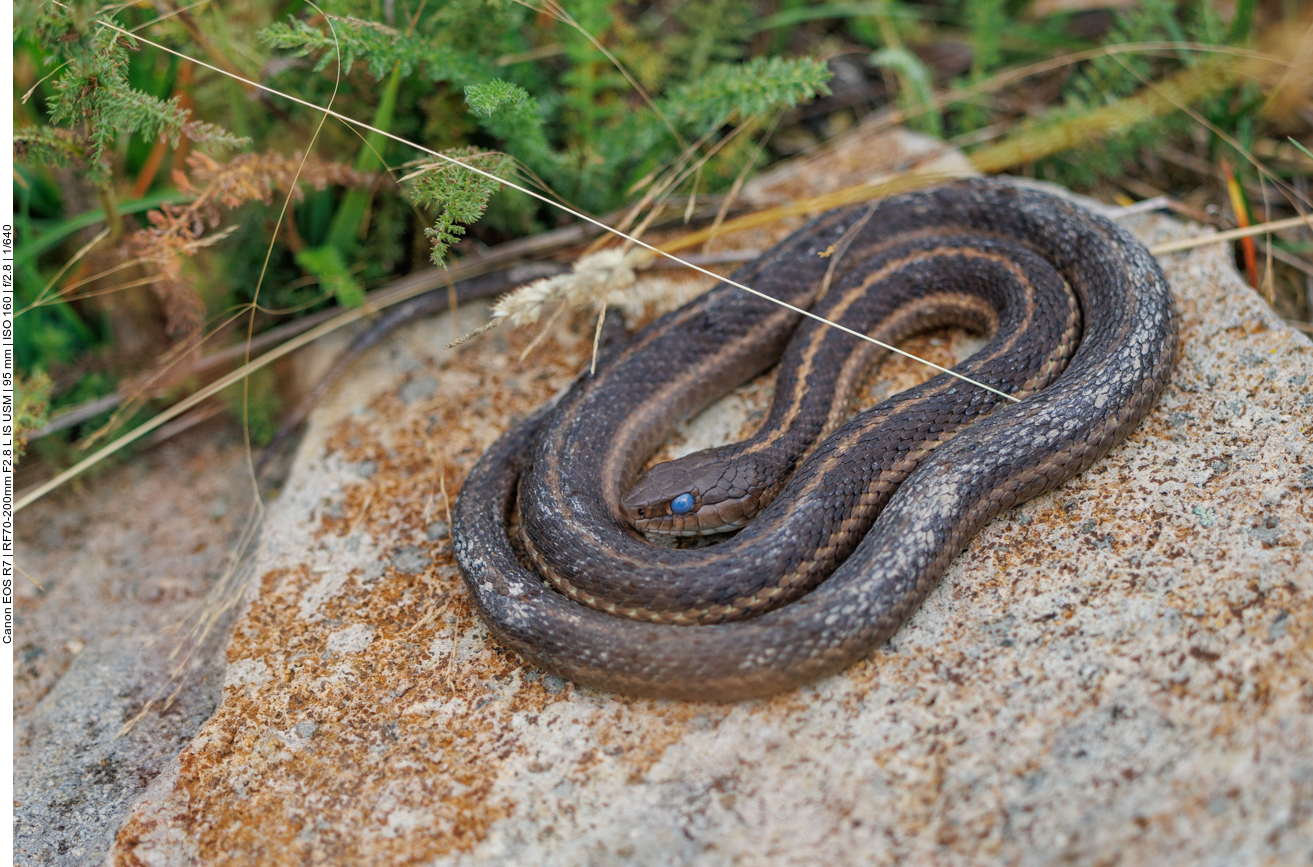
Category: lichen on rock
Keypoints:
(1117, 670)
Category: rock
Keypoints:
(416, 390)
(411, 559)
(1119, 670)
(124, 564)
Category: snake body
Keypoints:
(855, 521)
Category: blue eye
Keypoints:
(682, 505)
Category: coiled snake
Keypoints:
(850, 534)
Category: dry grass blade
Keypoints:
(223, 596)
(226, 593)
(240, 374)
(1012, 76)
(1233, 234)
(740, 179)
(43, 296)
(1185, 86)
(339, 321)
(856, 194)
(660, 184)
(1183, 105)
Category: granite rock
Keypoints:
(114, 573)
(1119, 671)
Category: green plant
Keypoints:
(31, 407)
(591, 103)
(93, 99)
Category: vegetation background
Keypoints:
(169, 211)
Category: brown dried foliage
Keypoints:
(177, 232)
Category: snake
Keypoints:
(828, 529)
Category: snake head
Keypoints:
(696, 495)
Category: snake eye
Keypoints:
(682, 505)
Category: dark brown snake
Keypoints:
(850, 534)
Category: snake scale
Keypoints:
(846, 524)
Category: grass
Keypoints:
(1183, 104)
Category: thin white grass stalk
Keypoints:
(110, 290)
(432, 613)
(131, 401)
(446, 501)
(576, 214)
(64, 293)
(384, 163)
(1143, 206)
(90, 278)
(1289, 259)
(35, 582)
(164, 17)
(31, 90)
(41, 296)
(658, 183)
(547, 327)
(840, 248)
(1230, 235)
(227, 591)
(692, 197)
(1269, 277)
(597, 332)
(269, 252)
(341, 320)
(255, 300)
